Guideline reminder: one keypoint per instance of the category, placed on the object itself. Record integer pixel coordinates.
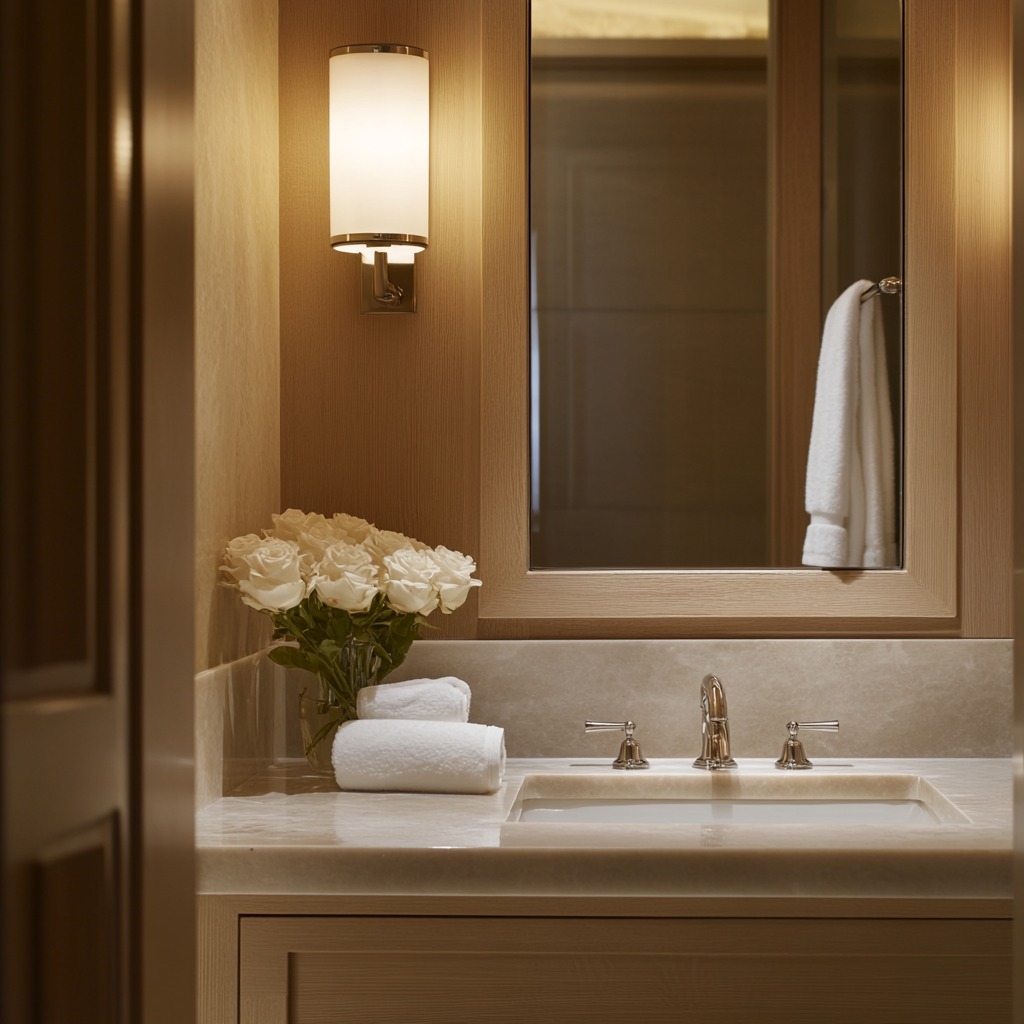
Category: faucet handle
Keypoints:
(630, 756)
(793, 757)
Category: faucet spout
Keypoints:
(714, 752)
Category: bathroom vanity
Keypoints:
(318, 905)
(767, 902)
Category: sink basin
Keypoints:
(734, 799)
(736, 812)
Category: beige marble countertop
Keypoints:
(288, 831)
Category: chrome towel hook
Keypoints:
(887, 286)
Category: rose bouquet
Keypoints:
(345, 598)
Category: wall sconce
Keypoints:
(380, 156)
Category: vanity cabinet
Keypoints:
(304, 959)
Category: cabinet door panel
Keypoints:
(391, 970)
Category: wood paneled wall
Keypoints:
(237, 333)
(381, 416)
(380, 413)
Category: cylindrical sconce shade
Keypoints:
(379, 149)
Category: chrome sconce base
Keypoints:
(387, 287)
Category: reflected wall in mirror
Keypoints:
(657, 349)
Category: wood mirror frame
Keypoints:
(955, 580)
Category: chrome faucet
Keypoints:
(714, 728)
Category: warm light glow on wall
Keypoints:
(379, 161)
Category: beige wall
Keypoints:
(237, 320)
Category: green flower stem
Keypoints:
(345, 650)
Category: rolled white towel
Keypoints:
(419, 756)
(444, 700)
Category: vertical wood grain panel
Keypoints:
(380, 413)
(983, 79)
(504, 425)
(237, 310)
(217, 981)
(930, 298)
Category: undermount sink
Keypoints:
(725, 798)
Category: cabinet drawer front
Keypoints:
(395, 970)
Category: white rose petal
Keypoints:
(235, 553)
(275, 559)
(318, 536)
(410, 581)
(408, 564)
(350, 592)
(383, 543)
(453, 595)
(341, 556)
(271, 595)
(290, 523)
(453, 580)
(347, 578)
(453, 564)
(351, 529)
(406, 596)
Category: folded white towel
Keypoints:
(850, 465)
(419, 756)
(444, 700)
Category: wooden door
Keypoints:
(92, 859)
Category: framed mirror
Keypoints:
(956, 372)
(652, 383)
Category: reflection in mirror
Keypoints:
(651, 387)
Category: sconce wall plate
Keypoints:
(398, 287)
(379, 166)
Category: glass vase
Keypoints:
(323, 708)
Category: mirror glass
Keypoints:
(651, 133)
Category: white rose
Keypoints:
(453, 581)
(351, 529)
(234, 555)
(290, 523)
(270, 596)
(274, 582)
(382, 543)
(317, 536)
(347, 578)
(409, 581)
